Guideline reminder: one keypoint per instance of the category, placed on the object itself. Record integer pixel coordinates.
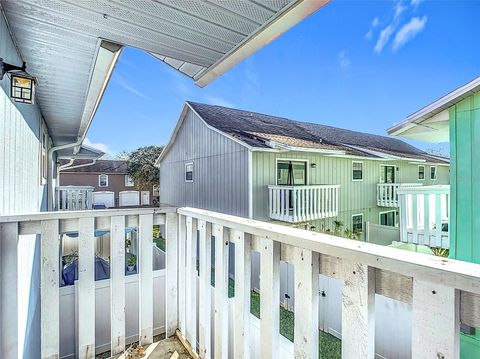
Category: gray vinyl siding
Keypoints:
(220, 178)
(356, 197)
(20, 188)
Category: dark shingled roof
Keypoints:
(249, 126)
(101, 166)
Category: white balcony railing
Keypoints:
(424, 215)
(387, 193)
(442, 292)
(303, 203)
(74, 198)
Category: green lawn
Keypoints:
(157, 238)
(330, 346)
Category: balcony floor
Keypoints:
(163, 349)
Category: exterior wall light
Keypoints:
(22, 84)
(313, 165)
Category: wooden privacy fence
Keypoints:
(443, 292)
(74, 198)
(50, 226)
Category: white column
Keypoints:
(358, 311)
(145, 278)
(49, 289)
(86, 287)
(204, 320)
(221, 291)
(191, 283)
(171, 229)
(241, 338)
(117, 284)
(182, 243)
(435, 321)
(9, 289)
(269, 298)
(306, 264)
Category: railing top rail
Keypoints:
(400, 184)
(457, 274)
(304, 186)
(41, 216)
(438, 189)
(74, 187)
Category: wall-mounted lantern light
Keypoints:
(313, 165)
(22, 84)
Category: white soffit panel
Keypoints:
(59, 40)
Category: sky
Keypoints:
(353, 64)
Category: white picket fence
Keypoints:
(442, 293)
(74, 198)
(303, 203)
(424, 215)
(387, 193)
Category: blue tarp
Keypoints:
(100, 232)
(102, 271)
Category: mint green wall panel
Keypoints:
(465, 178)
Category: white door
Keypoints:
(128, 198)
(145, 198)
(105, 198)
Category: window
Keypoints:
(357, 223)
(421, 173)
(357, 171)
(291, 173)
(387, 174)
(189, 172)
(433, 172)
(102, 181)
(129, 181)
(387, 218)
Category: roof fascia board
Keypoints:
(183, 114)
(442, 103)
(106, 59)
(281, 22)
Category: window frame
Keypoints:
(126, 183)
(357, 215)
(385, 212)
(436, 174)
(99, 181)
(193, 170)
(418, 173)
(357, 179)
(307, 167)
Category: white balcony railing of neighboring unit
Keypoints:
(303, 203)
(424, 215)
(74, 198)
(387, 193)
(443, 293)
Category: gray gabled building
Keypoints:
(272, 168)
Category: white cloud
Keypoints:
(219, 101)
(375, 23)
(98, 145)
(343, 60)
(399, 9)
(122, 81)
(408, 32)
(383, 38)
(415, 3)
